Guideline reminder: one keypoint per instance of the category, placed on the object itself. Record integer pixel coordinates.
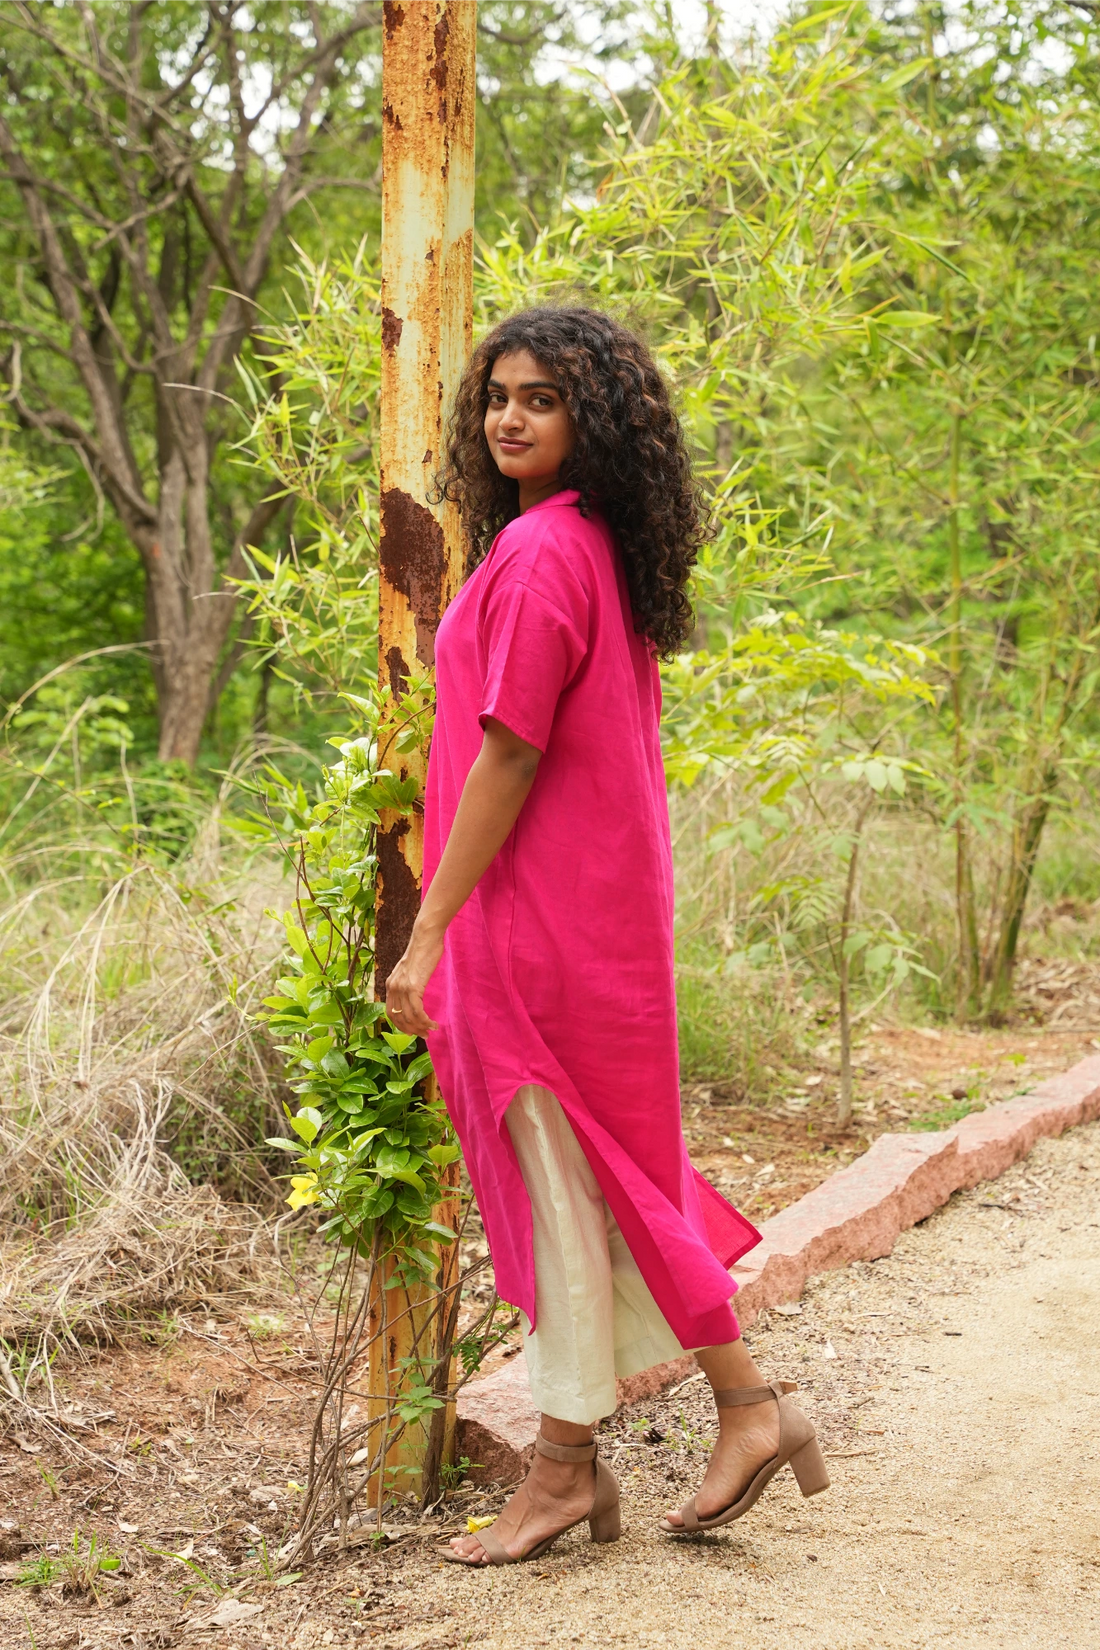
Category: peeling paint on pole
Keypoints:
(428, 107)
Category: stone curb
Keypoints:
(857, 1214)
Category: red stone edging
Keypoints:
(857, 1214)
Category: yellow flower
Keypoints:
(475, 1524)
(294, 1488)
(305, 1190)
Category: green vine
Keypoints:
(372, 1141)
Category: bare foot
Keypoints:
(747, 1437)
(553, 1495)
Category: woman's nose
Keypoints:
(513, 417)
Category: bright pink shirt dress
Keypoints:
(558, 970)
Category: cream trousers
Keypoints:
(596, 1317)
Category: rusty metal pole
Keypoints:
(427, 301)
(428, 108)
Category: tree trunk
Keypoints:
(1027, 835)
(844, 1005)
(190, 606)
(968, 985)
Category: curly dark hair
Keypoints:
(629, 460)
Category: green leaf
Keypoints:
(933, 252)
(328, 1014)
(308, 1123)
(399, 1041)
(296, 937)
(909, 318)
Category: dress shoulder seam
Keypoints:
(545, 600)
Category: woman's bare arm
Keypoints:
(495, 790)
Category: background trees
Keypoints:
(959, 453)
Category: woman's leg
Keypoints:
(570, 1357)
(748, 1434)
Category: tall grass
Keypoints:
(135, 1090)
(755, 980)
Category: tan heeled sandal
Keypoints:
(604, 1519)
(797, 1444)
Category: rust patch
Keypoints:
(398, 904)
(391, 329)
(413, 560)
(391, 117)
(440, 37)
(393, 15)
(395, 669)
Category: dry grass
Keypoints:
(756, 985)
(126, 1048)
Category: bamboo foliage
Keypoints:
(966, 440)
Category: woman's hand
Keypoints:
(408, 981)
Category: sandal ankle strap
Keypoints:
(565, 1452)
(730, 1397)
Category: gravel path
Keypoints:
(956, 1387)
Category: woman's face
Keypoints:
(526, 424)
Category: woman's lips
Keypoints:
(513, 446)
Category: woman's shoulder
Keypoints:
(555, 541)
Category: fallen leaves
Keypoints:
(229, 1612)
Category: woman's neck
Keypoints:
(534, 491)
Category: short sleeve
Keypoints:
(533, 652)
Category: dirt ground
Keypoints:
(954, 1385)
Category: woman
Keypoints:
(545, 933)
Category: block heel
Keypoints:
(797, 1444)
(605, 1521)
(808, 1466)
